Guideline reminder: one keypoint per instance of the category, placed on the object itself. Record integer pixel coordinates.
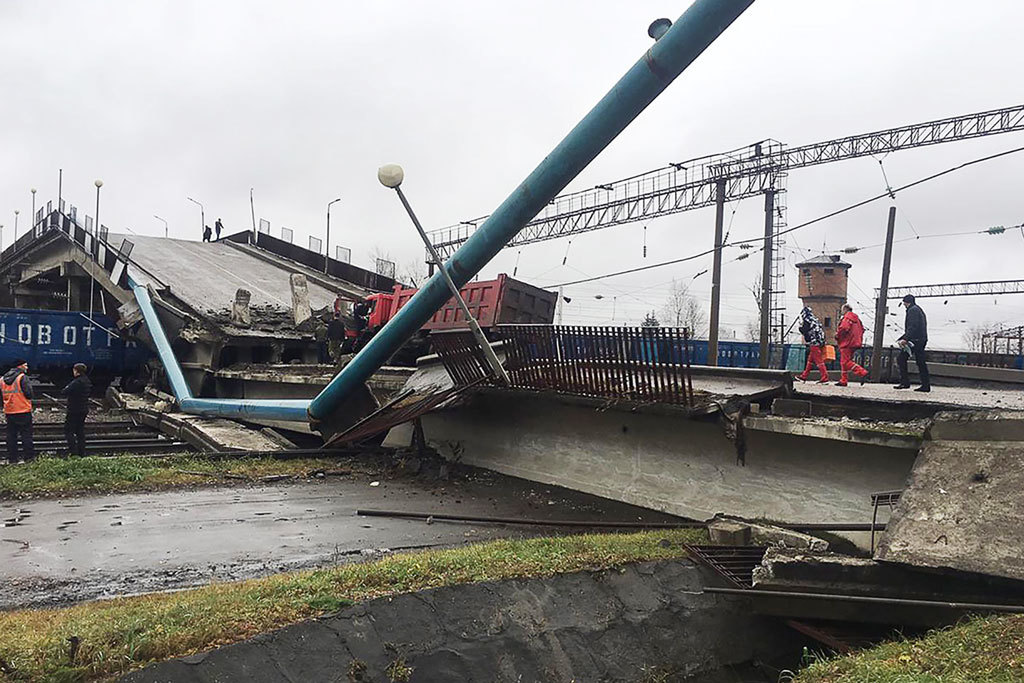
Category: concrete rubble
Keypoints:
(962, 508)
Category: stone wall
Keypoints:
(641, 622)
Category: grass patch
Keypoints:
(48, 476)
(119, 635)
(981, 650)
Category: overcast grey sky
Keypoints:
(302, 101)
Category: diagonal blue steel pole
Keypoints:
(675, 48)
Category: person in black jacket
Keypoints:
(77, 391)
(913, 341)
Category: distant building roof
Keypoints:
(830, 260)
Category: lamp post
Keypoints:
(33, 191)
(164, 222)
(92, 281)
(392, 175)
(327, 242)
(16, 212)
(202, 214)
(1, 236)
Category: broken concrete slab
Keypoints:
(764, 533)
(875, 433)
(725, 532)
(962, 510)
(977, 425)
(240, 314)
(791, 569)
(301, 311)
(204, 433)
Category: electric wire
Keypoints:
(805, 224)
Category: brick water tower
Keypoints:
(823, 281)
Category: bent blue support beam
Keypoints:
(283, 410)
(672, 52)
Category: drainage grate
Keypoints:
(735, 563)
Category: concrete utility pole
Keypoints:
(766, 276)
(391, 175)
(882, 301)
(716, 273)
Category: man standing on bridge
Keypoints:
(915, 336)
(77, 391)
(17, 392)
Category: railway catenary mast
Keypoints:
(758, 169)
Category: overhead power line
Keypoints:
(805, 224)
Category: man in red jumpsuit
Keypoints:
(850, 337)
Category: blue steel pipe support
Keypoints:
(676, 49)
(284, 410)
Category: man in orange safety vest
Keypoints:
(17, 394)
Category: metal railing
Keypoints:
(646, 364)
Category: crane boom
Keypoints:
(747, 171)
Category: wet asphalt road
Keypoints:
(68, 550)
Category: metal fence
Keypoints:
(647, 364)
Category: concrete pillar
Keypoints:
(240, 314)
(300, 298)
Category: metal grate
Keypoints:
(461, 356)
(405, 407)
(649, 364)
(887, 498)
(735, 563)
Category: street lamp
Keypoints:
(392, 175)
(202, 214)
(16, 212)
(327, 243)
(92, 281)
(33, 191)
(164, 222)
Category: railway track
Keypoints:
(102, 436)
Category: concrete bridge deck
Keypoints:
(885, 394)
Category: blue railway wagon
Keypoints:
(53, 341)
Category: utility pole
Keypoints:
(559, 304)
(882, 301)
(766, 276)
(716, 273)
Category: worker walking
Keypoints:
(849, 337)
(77, 392)
(218, 226)
(913, 341)
(814, 337)
(335, 338)
(17, 393)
